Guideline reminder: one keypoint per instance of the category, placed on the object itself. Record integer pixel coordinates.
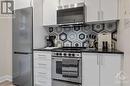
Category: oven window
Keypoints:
(59, 67)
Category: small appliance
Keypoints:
(50, 41)
(104, 41)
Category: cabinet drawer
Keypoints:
(43, 82)
(42, 57)
(42, 61)
(43, 73)
(43, 65)
(42, 78)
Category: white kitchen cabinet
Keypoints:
(19, 4)
(90, 70)
(109, 9)
(50, 12)
(100, 69)
(101, 10)
(109, 68)
(42, 68)
(92, 10)
(68, 2)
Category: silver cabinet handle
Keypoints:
(41, 64)
(41, 55)
(98, 60)
(31, 3)
(101, 60)
(41, 73)
(98, 13)
(102, 15)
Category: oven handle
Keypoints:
(60, 58)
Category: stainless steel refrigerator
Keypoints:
(22, 47)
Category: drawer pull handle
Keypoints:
(41, 55)
(41, 73)
(41, 64)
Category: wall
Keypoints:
(39, 32)
(22, 3)
(5, 47)
(123, 37)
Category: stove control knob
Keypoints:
(60, 54)
(57, 54)
(69, 54)
(64, 54)
(73, 54)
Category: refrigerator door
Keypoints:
(22, 30)
(22, 69)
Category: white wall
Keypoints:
(39, 31)
(22, 3)
(124, 36)
(5, 46)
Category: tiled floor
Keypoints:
(6, 83)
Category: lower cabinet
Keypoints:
(42, 68)
(90, 70)
(101, 69)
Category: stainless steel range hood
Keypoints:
(71, 14)
(76, 5)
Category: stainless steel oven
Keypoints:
(66, 66)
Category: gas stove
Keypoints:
(66, 66)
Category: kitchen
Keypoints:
(74, 43)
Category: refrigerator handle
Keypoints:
(21, 53)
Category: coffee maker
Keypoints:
(104, 41)
(50, 41)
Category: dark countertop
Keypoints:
(42, 49)
(113, 51)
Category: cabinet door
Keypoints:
(90, 70)
(68, 2)
(109, 9)
(110, 67)
(50, 12)
(92, 10)
(19, 4)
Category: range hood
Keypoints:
(70, 6)
(71, 14)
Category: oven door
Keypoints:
(62, 70)
(56, 67)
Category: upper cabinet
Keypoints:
(67, 2)
(109, 9)
(95, 10)
(19, 4)
(50, 12)
(101, 10)
(92, 10)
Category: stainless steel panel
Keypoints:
(22, 69)
(72, 15)
(57, 70)
(22, 30)
(62, 83)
